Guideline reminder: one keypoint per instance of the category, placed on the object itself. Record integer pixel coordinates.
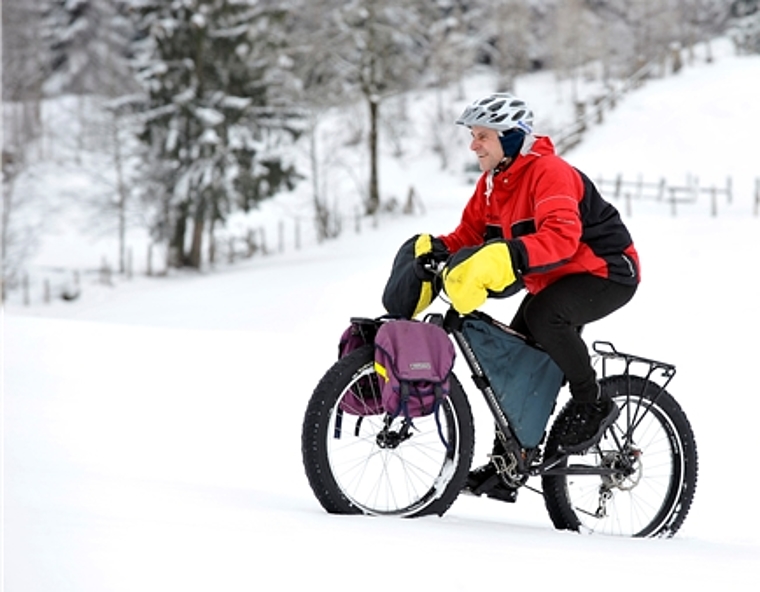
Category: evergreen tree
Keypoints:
(745, 25)
(216, 118)
(88, 41)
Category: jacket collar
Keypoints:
(534, 147)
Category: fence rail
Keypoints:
(673, 194)
(43, 285)
(587, 114)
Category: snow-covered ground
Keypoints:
(152, 430)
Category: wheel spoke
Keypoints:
(374, 465)
(651, 449)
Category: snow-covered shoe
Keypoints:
(486, 481)
(585, 423)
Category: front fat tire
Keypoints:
(350, 474)
(653, 501)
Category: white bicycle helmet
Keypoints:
(499, 111)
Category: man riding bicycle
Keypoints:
(536, 222)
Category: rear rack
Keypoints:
(608, 354)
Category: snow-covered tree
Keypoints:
(88, 41)
(216, 119)
(376, 48)
(24, 67)
(745, 25)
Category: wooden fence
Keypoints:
(66, 284)
(592, 111)
(588, 113)
(675, 195)
(44, 285)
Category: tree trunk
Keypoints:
(373, 200)
(121, 190)
(177, 242)
(195, 257)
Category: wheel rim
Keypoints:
(639, 499)
(401, 479)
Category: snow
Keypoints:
(152, 429)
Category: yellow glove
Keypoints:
(474, 272)
(423, 245)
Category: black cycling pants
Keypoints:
(554, 316)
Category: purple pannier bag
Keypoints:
(364, 397)
(413, 361)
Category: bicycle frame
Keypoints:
(521, 462)
(638, 479)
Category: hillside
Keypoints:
(152, 430)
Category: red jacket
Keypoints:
(553, 218)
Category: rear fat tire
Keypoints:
(652, 502)
(350, 474)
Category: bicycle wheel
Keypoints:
(652, 445)
(372, 464)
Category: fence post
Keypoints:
(618, 185)
(46, 294)
(661, 190)
(729, 189)
(250, 243)
(105, 273)
(757, 196)
(599, 106)
(129, 263)
(25, 289)
(673, 201)
(280, 236)
(580, 115)
(263, 235)
(714, 199)
(298, 234)
(628, 204)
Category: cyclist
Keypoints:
(536, 222)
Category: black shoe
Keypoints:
(585, 423)
(486, 481)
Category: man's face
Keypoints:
(485, 144)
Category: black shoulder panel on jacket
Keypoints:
(606, 234)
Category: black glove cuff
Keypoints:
(519, 255)
(439, 251)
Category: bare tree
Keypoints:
(572, 47)
(23, 73)
(376, 48)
